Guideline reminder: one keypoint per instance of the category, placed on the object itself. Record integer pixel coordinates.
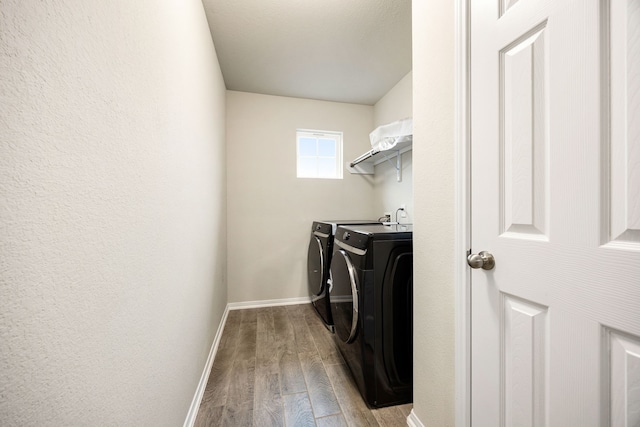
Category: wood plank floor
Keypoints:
(279, 366)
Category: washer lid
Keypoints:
(330, 225)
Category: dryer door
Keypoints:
(344, 296)
(315, 266)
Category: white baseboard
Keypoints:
(413, 420)
(267, 303)
(202, 385)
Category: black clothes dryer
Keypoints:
(318, 262)
(372, 307)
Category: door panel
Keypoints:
(522, 143)
(624, 144)
(524, 346)
(555, 153)
(624, 377)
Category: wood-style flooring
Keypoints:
(279, 366)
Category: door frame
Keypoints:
(462, 244)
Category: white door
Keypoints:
(555, 142)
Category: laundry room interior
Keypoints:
(149, 201)
(279, 196)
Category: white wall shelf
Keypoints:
(364, 164)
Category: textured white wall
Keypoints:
(112, 212)
(389, 194)
(396, 104)
(433, 155)
(270, 210)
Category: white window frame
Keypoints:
(336, 136)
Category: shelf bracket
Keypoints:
(397, 166)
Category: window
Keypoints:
(319, 154)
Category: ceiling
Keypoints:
(337, 50)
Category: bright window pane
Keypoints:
(326, 168)
(307, 147)
(319, 154)
(326, 147)
(307, 167)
